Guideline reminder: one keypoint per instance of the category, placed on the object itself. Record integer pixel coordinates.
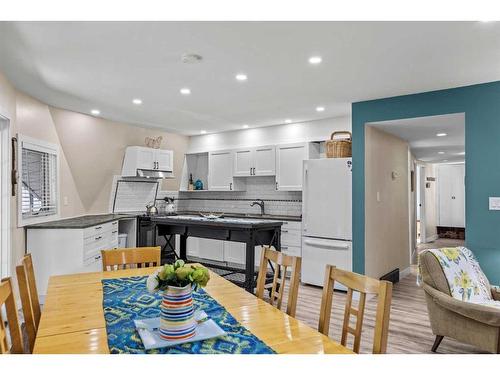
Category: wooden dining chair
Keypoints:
(280, 263)
(8, 300)
(29, 298)
(137, 257)
(364, 285)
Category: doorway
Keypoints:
(436, 170)
(5, 256)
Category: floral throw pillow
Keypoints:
(465, 277)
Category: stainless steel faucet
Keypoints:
(260, 203)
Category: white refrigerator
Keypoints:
(326, 218)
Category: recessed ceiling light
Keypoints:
(185, 91)
(191, 58)
(95, 112)
(241, 77)
(203, 132)
(461, 153)
(440, 152)
(288, 121)
(137, 101)
(445, 160)
(315, 60)
(245, 126)
(320, 109)
(441, 135)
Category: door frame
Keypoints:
(5, 189)
(421, 187)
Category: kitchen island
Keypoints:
(251, 231)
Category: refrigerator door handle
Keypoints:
(326, 245)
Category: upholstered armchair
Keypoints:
(460, 301)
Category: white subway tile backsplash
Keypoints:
(276, 202)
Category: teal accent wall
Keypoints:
(481, 105)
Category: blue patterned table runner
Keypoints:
(127, 299)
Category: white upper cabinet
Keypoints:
(147, 159)
(243, 162)
(289, 158)
(220, 170)
(164, 160)
(255, 161)
(264, 161)
(451, 195)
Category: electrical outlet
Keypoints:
(494, 203)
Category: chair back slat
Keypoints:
(7, 299)
(280, 262)
(363, 285)
(29, 298)
(139, 257)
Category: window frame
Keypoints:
(42, 146)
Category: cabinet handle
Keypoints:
(284, 247)
(97, 228)
(284, 231)
(97, 257)
(98, 238)
(250, 171)
(115, 231)
(276, 185)
(253, 171)
(230, 186)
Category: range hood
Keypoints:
(153, 173)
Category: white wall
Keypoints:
(319, 130)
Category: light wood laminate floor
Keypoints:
(409, 329)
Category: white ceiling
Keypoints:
(420, 133)
(85, 65)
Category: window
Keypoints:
(38, 181)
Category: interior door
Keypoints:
(220, 172)
(458, 196)
(243, 162)
(265, 161)
(289, 160)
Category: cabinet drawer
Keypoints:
(291, 225)
(291, 237)
(101, 228)
(291, 250)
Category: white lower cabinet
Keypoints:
(234, 252)
(64, 251)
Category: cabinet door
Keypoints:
(165, 160)
(243, 162)
(220, 170)
(265, 161)
(234, 252)
(146, 158)
(289, 160)
(211, 249)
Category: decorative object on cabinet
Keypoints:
(198, 185)
(339, 147)
(153, 142)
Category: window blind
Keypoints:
(39, 183)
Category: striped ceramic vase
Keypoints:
(177, 314)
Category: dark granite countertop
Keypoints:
(225, 222)
(80, 222)
(249, 216)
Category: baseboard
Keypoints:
(431, 238)
(404, 273)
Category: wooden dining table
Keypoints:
(73, 318)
